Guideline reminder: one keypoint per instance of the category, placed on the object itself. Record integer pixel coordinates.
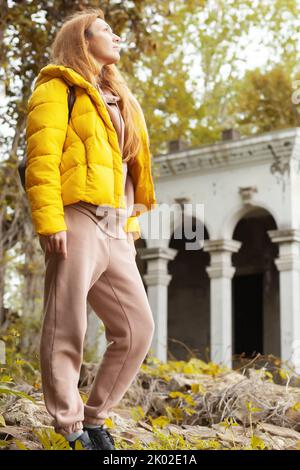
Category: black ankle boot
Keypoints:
(100, 438)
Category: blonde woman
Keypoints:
(88, 178)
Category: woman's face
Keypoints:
(103, 44)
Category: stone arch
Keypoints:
(232, 218)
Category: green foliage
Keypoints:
(11, 391)
(137, 413)
(229, 423)
(51, 440)
(155, 367)
(257, 443)
(6, 388)
(263, 101)
(16, 365)
(20, 445)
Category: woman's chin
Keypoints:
(114, 59)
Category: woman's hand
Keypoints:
(54, 243)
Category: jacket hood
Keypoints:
(71, 77)
(60, 71)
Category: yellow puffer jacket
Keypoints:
(80, 159)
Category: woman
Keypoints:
(82, 175)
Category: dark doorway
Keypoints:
(188, 301)
(248, 314)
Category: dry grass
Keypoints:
(184, 405)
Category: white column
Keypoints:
(157, 280)
(221, 272)
(288, 265)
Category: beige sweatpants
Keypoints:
(102, 271)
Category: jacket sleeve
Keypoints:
(46, 128)
(132, 223)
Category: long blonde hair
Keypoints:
(69, 49)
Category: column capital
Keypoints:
(157, 258)
(220, 257)
(288, 263)
(157, 279)
(222, 244)
(157, 252)
(289, 248)
(284, 235)
(220, 271)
